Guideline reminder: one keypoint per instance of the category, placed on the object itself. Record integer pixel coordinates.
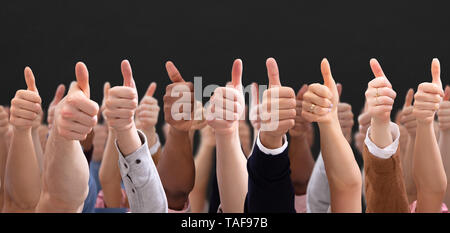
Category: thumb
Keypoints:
(82, 75)
(409, 98)
(127, 74)
(447, 93)
(151, 89)
(339, 89)
(59, 94)
(173, 72)
(29, 79)
(255, 95)
(376, 68)
(272, 72)
(302, 91)
(436, 72)
(236, 73)
(327, 77)
(106, 88)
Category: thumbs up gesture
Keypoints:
(302, 126)
(429, 96)
(345, 116)
(76, 114)
(122, 101)
(4, 121)
(278, 109)
(148, 109)
(408, 119)
(255, 107)
(227, 104)
(178, 100)
(26, 105)
(59, 94)
(379, 95)
(444, 111)
(320, 101)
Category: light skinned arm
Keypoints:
(4, 127)
(232, 176)
(23, 184)
(203, 164)
(444, 138)
(428, 169)
(343, 173)
(66, 172)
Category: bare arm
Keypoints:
(23, 186)
(428, 170)
(343, 173)
(176, 166)
(444, 138)
(4, 127)
(66, 172)
(203, 164)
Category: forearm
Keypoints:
(151, 136)
(66, 176)
(23, 184)
(109, 173)
(176, 168)
(232, 176)
(343, 173)
(3, 156)
(428, 170)
(302, 163)
(38, 148)
(203, 163)
(407, 168)
(444, 146)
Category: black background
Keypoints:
(203, 38)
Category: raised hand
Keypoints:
(26, 105)
(301, 126)
(379, 95)
(148, 109)
(255, 119)
(199, 118)
(59, 94)
(444, 111)
(408, 119)
(178, 100)
(4, 121)
(429, 96)
(345, 116)
(76, 114)
(320, 101)
(227, 104)
(106, 88)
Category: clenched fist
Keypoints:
(255, 107)
(320, 101)
(148, 109)
(345, 116)
(76, 114)
(379, 95)
(4, 121)
(429, 96)
(26, 105)
(227, 104)
(301, 126)
(178, 100)
(122, 101)
(59, 94)
(407, 118)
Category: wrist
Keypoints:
(21, 130)
(270, 141)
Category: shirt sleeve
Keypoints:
(268, 151)
(388, 151)
(318, 190)
(270, 188)
(141, 180)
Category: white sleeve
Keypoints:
(268, 151)
(388, 151)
